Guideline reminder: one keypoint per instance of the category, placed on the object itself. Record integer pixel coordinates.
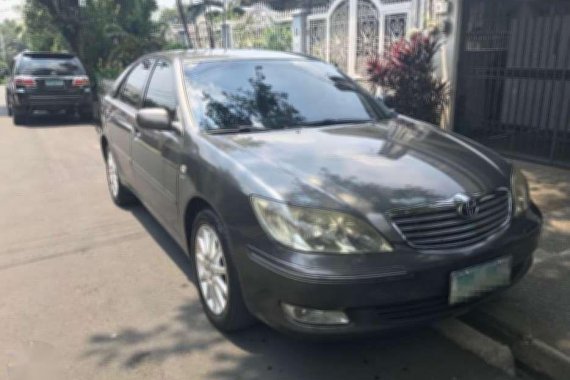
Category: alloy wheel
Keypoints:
(112, 175)
(212, 269)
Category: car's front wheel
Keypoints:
(216, 276)
(119, 193)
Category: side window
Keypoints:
(161, 90)
(133, 88)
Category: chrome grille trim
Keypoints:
(439, 226)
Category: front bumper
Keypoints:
(377, 292)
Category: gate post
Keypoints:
(227, 41)
(352, 36)
(299, 31)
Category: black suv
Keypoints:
(53, 82)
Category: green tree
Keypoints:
(212, 11)
(64, 16)
(11, 41)
(40, 32)
(105, 34)
(202, 9)
(169, 16)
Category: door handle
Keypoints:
(122, 123)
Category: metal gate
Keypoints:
(513, 90)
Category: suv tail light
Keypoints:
(25, 81)
(80, 81)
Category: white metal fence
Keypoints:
(347, 33)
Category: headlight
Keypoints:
(313, 230)
(519, 188)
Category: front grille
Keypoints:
(441, 226)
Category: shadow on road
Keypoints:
(260, 352)
(53, 121)
(168, 245)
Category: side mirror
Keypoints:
(391, 111)
(154, 118)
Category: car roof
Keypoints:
(198, 55)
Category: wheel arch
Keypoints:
(192, 209)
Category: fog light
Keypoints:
(314, 316)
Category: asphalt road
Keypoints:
(90, 291)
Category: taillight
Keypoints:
(80, 81)
(25, 81)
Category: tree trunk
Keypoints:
(197, 33)
(210, 28)
(66, 14)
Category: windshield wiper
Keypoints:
(237, 129)
(327, 122)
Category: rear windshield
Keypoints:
(50, 66)
(261, 95)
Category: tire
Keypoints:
(120, 194)
(9, 107)
(212, 266)
(19, 117)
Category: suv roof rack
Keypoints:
(47, 54)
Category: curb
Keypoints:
(492, 352)
(529, 352)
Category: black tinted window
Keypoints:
(133, 88)
(161, 91)
(252, 95)
(49, 66)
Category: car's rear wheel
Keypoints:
(8, 107)
(121, 195)
(86, 116)
(19, 116)
(216, 276)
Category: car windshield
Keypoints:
(246, 96)
(50, 66)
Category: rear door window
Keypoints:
(133, 87)
(50, 66)
(161, 92)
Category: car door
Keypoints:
(155, 153)
(120, 116)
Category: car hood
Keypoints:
(368, 168)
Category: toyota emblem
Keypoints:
(468, 208)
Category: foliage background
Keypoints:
(106, 34)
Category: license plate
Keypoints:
(54, 83)
(474, 281)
